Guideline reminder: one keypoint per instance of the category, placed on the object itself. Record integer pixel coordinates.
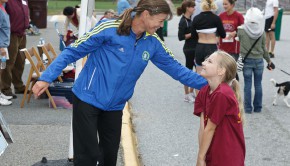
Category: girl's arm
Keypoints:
(201, 129)
(206, 139)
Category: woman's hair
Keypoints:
(182, 9)
(154, 7)
(228, 62)
(232, 2)
(67, 11)
(207, 5)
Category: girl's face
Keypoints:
(154, 22)
(210, 67)
(227, 5)
(190, 9)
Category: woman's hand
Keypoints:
(39, 87)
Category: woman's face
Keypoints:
(227, 5)
(210, 66)
(154, 22)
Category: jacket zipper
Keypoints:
(91, 78)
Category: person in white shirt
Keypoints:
(271, 14)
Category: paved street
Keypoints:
(167, 130)
(165, 126)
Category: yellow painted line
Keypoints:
(128, 139)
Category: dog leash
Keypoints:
(283, 71)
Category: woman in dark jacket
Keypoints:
(184, 33)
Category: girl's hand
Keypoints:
(273, 26)
(232, 35)
(200, 162)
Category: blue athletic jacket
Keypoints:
(114, 65)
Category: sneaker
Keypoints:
(10, 94)
(192, 94)
(271, 55)
(5, 97)
(188, 98)
(5, 102)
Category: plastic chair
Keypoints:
(35, 72)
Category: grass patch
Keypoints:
(56, 6)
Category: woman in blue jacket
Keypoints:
(119, 52)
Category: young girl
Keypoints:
(206, 26)
(219, 105)
(231, 19)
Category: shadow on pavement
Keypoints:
(61, 162)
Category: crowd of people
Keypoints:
(121, 46)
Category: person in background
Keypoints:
(4, 43)
(122, 5)
(219, 8)
(109, 14)
(18, 12)
(250, 32)
(231, 19)
(119, 52)
(271, 14)
(220, 108)
(206, 27)
(72, 17)
(184, 33)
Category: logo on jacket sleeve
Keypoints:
(145, 56)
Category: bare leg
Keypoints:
(186, 89)
(268, 41)
(272, 41)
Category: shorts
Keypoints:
(189, 58)
(202, 51)
(268, 24)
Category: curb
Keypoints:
(128, 139)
